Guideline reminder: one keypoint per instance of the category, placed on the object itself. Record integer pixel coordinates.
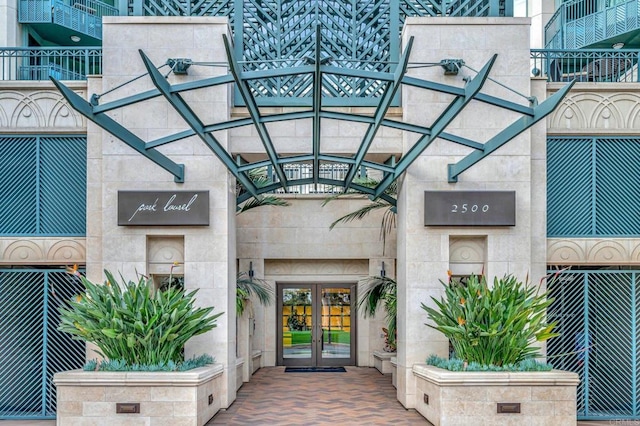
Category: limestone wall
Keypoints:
(208, 251)
(424, 252)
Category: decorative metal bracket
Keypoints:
(179, 66)
(451, 66)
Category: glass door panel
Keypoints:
(336, 322)
(315, 326)
(296, 322)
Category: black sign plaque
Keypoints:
(163, 208)
(469, 208)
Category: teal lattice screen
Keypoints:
(597, 314)
(31, 349)
(362, 34)
(280, 34)
(43, 182)
(592, 187)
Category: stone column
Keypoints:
(423, 252)
(540, 11)
(209, 251)
(9, 27)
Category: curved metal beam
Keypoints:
(458, 91)
(307, 181)
(447, 116)
(194, 122)
(517, 127)
(254, 112)
(117, 130)
(387, 98)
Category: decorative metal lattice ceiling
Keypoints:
(315, 69)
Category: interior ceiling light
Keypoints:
(618, 45)
(75, 38)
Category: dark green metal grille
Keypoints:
(356, 34)
(617, 190)
(42, 180)
(31, 349)
(597, 313)
(592, 187)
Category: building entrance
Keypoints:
(315, 324)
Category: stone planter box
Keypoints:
(239, 368)
(448, 398)
(394, 371)
(256, 359)
(161, 398)
(382, 361)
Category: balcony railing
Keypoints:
(598, 65)
(40, 63)
(579, 23)
(595, 65)
(83, 16)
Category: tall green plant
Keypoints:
(381, 291)
(132, 322)
(492, 326)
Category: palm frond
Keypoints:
(360, 213)
(255, 287)
(381, 291)
(247, 286)
(260, 178)
(387, 224)
(268, 200)
(378, 291)
(388, 218)
(368, 182)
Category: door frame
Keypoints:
(316, 358)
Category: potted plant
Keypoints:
(140, 332)
(495, 374)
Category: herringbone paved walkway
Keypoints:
(361, 396)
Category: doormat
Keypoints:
(315, 370)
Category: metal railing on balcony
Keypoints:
(83, 16)
(595, 65)
(40, 63)
(300, 177)
(580, 23)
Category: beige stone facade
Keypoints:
(294, 244)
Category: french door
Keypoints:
(315, 324)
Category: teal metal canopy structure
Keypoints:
(315, 68)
